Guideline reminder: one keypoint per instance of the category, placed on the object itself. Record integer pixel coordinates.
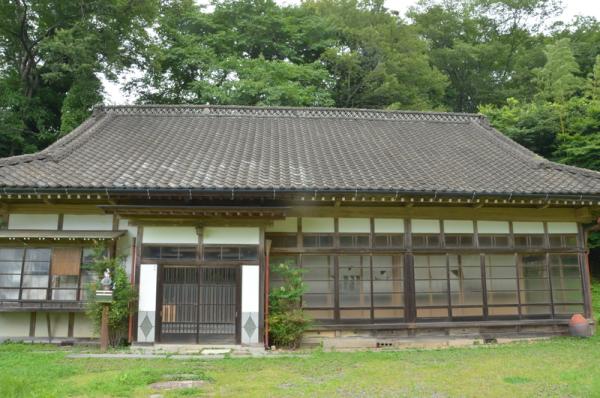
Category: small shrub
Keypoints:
(287, 320)
(124, 296)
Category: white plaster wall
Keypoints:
(458, 226)
(87, 222)
(389, 225)
(250, 288)
(125, 244)
(170, 235)
(231, 235)
(83, 326)
(14, 324)
(59, 324)
(493, 227)
(318, 224)
(354, 225)
(147, 296)
(33, 221)
(528, 227)
(419, 226)
(562, 228)
(288, 224)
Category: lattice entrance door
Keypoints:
(199, 304)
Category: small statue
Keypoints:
(106, 282)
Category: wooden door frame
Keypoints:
(238, 297)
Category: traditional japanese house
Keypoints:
(406, 223)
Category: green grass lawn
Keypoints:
(561, 367)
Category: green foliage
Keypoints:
(124, 296)
(287, 321)
(557, 79)
(51, 53)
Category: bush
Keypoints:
(124, 296)
(287, 320)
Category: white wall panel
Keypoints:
(528, 227)
(87, 222)
(389, 225)
(562, 228)
(317, 224)
(288, 224)
(250, 288)
(354, 225)
(147, 295)
(458, 226)
(231, 235)
(493, 227)
(170, 235)
(33, 221)
(425, 226)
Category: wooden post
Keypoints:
(104, 328)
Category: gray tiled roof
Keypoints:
(307, 149)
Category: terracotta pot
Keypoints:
(578, 326)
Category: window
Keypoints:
(459, 240)
(317, 240)
(534, 285)
(459, 233)
(354, 241)
(39, 274)
(283, 240)
(11, 262)
(501, 284)
(230, 253)
(354, 287)
(563, 241)
(431, 286)
(36, 273)
(169, 252)
(494, 241)
(388, 287)
(466, 293)
(319, 277)
(425, 241)
(532, 241)
(388, 241)
(567, 290)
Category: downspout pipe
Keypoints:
(267, 290)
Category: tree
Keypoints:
(48, 49)
(558, 79)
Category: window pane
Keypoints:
(319, 280)
(34, 294)
(9, 294)
(11, 254)
(354, 281)
(212, 253)
(169, 252)
(501, 282)
(38, 254)
(187, 252)
(35, 281)
(465, 280)
(148, 252)
(230, 253)
(10, 280)
(248, 253)
(325, 241)
(310, 240)
(10, 267)
(37, 267)
(283, 240)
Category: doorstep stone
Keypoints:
(176, 385)
(216, 351)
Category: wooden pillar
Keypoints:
(104, 328)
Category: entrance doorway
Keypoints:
(199, 305)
